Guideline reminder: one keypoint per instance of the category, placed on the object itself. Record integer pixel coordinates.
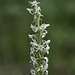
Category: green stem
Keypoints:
(38, 24)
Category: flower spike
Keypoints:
(40, 46)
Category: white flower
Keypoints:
(40, 68)
(33, 72)
(32, 37)
(45, 67)
(47, 52)
(30, 10)
(40, 14)
(32, 50)
(47, 49)
(33, 60)
(34, 3)
(44, 33)
(37, 9)
(47, 42)
(46, 72)
(40, 47)
(46, 59)
(34, 28)
(33, 43)
(44, 26)
(37, 47)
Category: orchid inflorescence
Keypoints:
(40, 46)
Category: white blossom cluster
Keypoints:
(40, 47)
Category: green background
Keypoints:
(15, 23)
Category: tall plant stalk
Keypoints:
(40, 47)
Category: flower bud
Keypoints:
(31, 3)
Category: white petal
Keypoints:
(46, 66)
(32, 37)
(44, 33)
(47, 48)
(47, 52)
(47, 72)
(40, 47)
(33, 43)
(33, 60)
(30, 10)
(34, 28)
(44, 26)
(47, 42)
(32, 51)
(32, 72)
(35, 3)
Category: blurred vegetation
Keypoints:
(14, 42)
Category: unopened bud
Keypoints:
(31, 3)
